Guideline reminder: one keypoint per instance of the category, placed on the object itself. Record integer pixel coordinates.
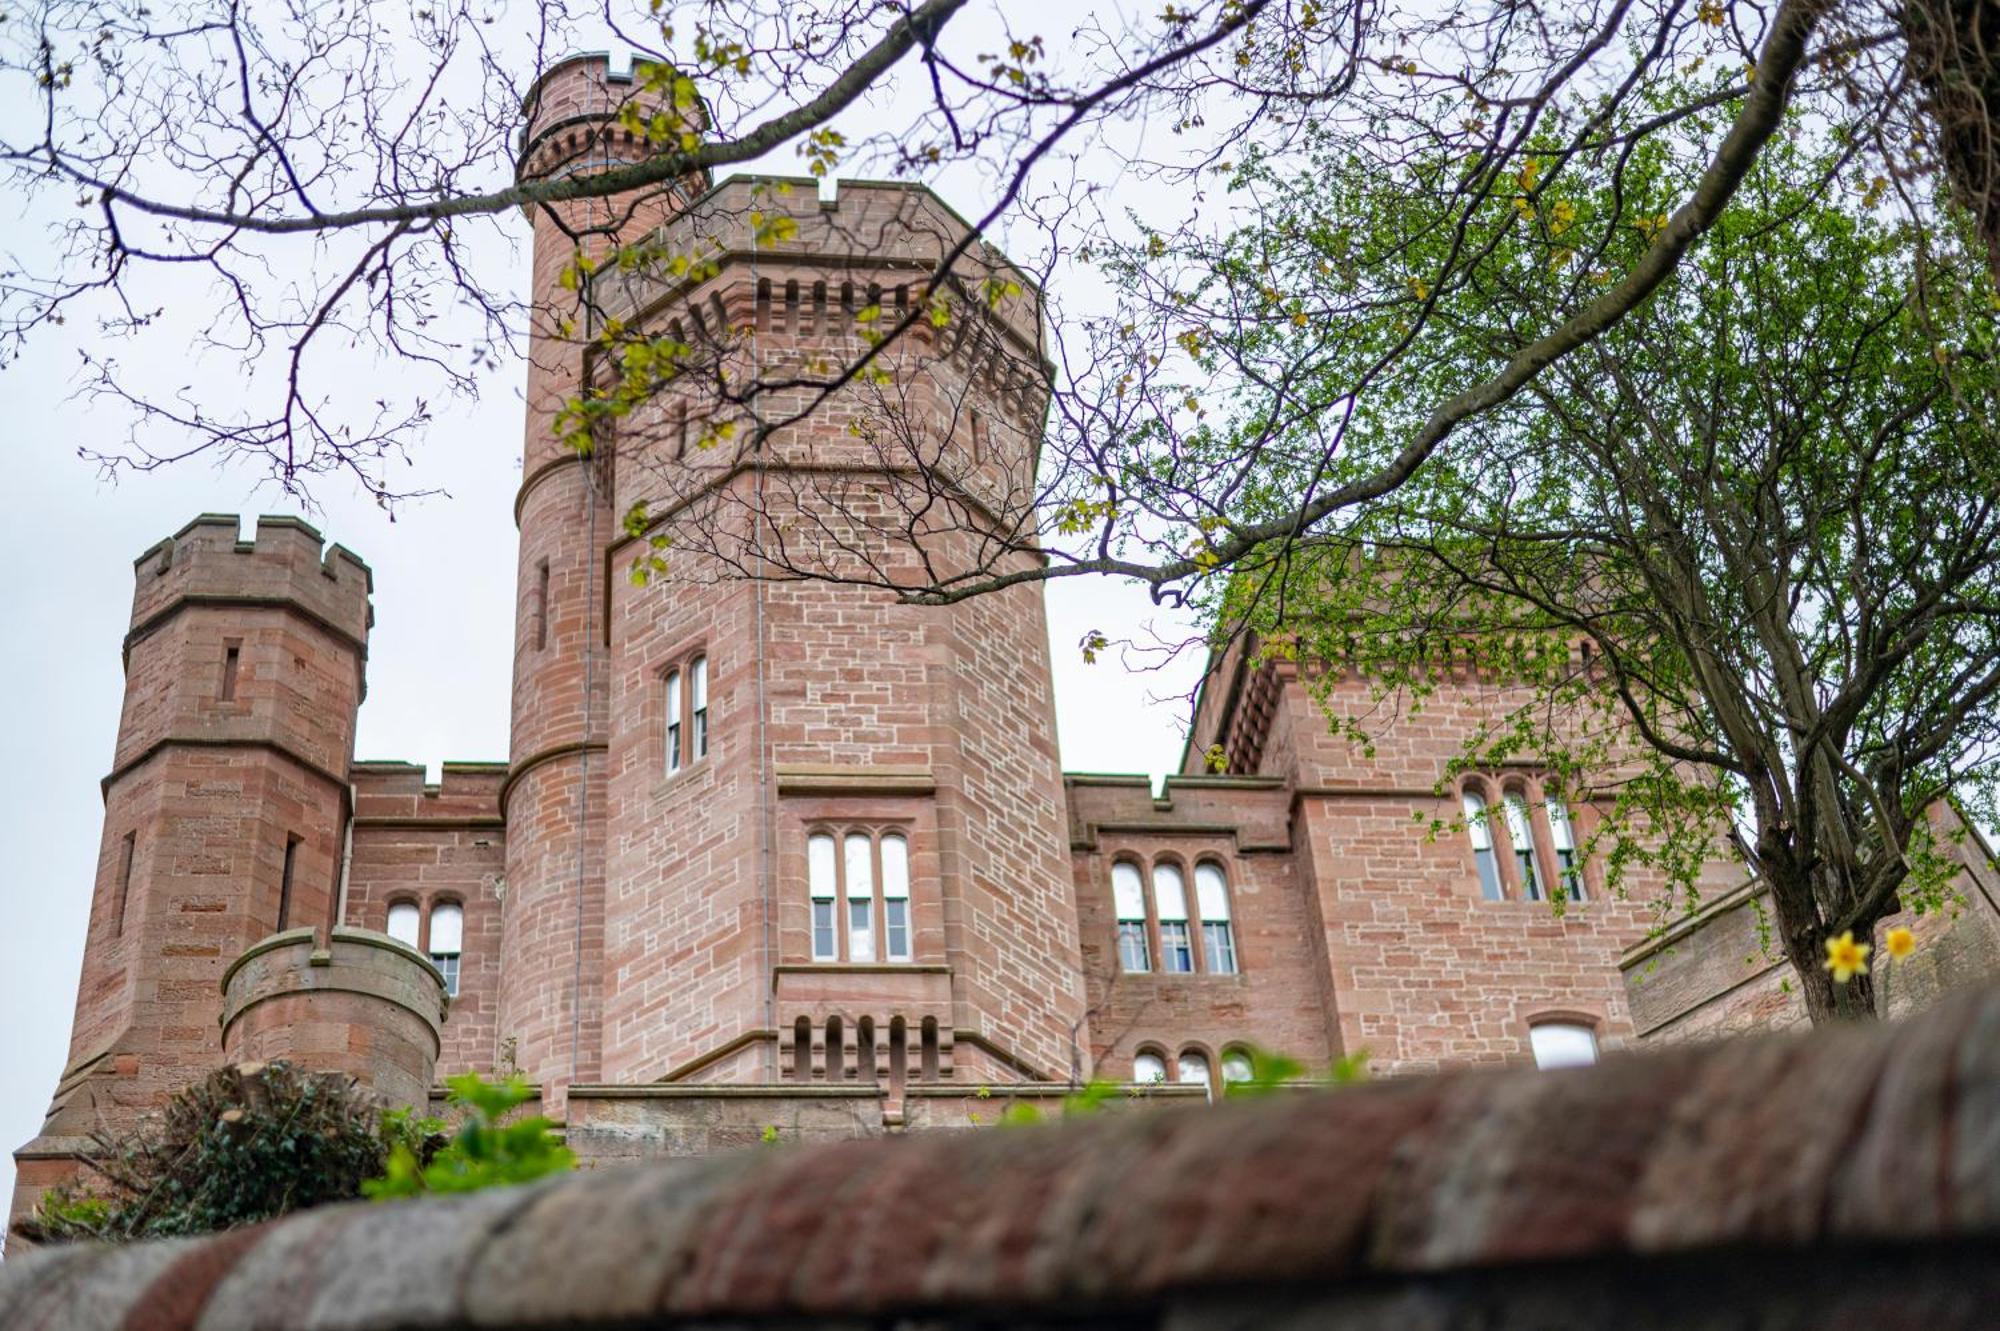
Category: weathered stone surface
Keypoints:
(1841, 1178)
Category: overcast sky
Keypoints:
(438, 657)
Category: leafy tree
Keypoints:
(1740, 555)
(367, 153)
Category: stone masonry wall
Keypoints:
(430, 845)
(1844, 1179)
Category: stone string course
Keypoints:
(1844, 1178)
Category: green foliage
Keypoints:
(1763, 501)
(246, 1143)
(1271, 1072)
(486, 1151)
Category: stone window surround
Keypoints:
(876, 830)
(676, 677)
(1494, 788)
(1170, 1054)
(425, 906)
(1187, 864)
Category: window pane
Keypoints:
(861, 929)
(860, 866)
(447, 928)
(1192, 1067)
(1128, 890)
(1524, 845)
(403, 922)
(1176, 955)
(1169, 893)
(1236, 1066)
(448, 967)
(1562, 1044)
(698, 696)
(819, 866)
(673, 710)
(1218, 947)
(1211, 891)
(1133, 954)
(895, 867)
(1559, 830)
(896, 928)
(1476, 825)
(1149, 1068)
(823, 940)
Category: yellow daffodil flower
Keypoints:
(1899, 942)
(1846, 958)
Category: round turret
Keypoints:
(365, 1005)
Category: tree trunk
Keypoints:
(1828, 1002)
(1953, 51)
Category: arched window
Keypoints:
(1562, 1044)
(860, 897)
(698, 707)
(1522, 835)
(843, 880)
(1128, 895)
(1170, 903)
(896, 898)
(1211, 896)
(1191, 1068)
(1236, 1066)
(1479, 827)
(447, 941)
(1564, 838)
(1149, 1068)
(403, 922)
(821, 876)
(673, 707)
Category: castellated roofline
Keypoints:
(286, 563)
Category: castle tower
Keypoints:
(835, 823)
(552, 911)
(224, 811)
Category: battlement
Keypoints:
(286, 562)
(391, 788)
(857, 245)
(569, 114)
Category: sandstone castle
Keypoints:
(790, 853)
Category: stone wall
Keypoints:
(1848, 1178)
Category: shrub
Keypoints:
(246, 1143)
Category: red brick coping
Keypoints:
(1846, 1173)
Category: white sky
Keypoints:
(438, 670)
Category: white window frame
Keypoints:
(1485, 858)
(1128, 900)
(445, 952)
(1562, 1042)
(1218, 936)
(673, 707)
(1170, 909)
(1149, 1068)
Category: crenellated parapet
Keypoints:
(287, 563)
